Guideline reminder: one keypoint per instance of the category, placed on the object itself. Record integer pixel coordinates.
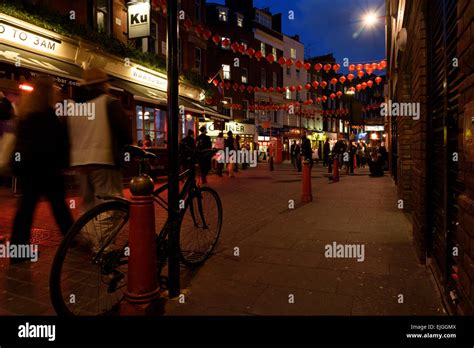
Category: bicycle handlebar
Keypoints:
(136, 151)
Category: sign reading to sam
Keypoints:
(138, 20)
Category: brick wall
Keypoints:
(465, 229)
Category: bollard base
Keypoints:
(307, 198)
(152, 304)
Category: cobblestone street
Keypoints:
(270, 259)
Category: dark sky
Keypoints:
(328, 26)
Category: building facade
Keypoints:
(429, 51)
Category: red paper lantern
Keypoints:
(270, 58)
(299, 88)
(318, 67)
(258, 55)
(242, 88)
(336, 67)
(327, 67)
(271, 90)
(235, 47)
(282, 61)
(364, 85)
(242, 49)
(325, 98)
(278, 89)
(225, 43)
(323, 84)
(217, 39)
(378, 79)
(360, 73)
(359, 67)
(333, 81)
(264, 89)
(250, 52)
(235, 86)
(307, 86)
(358, 87)
(350, 77)
(318, 100)
(383, 64)
(188, 24)
(289, 62)
(370, 83)
(207, 34)
(307, 66)
(310, 101)
(199, 29)
(227, 85)
(366, 66)
(315, 84)
(249, 89)
(215, 82)
(352, 89)
(352, 67)
(292, 88)
(299, 64)
(342, 79)
(369, 70)
(332, 96)
(373, 66)
(339, 94)
(256, 89)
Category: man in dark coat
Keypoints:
(306, 150)
(203, 143)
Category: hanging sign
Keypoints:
(139, 20)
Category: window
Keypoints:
(297, 95)
(262, 48)
(263, 19)
(103, 16)
(226, 69)
(227, 111)
(151, 126)
(222, 14)
(240, 20)
(274, 52)
(275, 117)
(308, 78)
(293, 53)
(245, 73)
(298, 73)
(308, 95)
(197, 59)
(263, 79)
(153, 45)
(197, 10)
(288, 94)
(245, 109)
(228, 47)
(275, 80)
(288, 71)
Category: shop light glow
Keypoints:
(26, 88)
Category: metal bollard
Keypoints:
(307, 192)
(335, 173)
(142, 296)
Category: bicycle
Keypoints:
(97, 245)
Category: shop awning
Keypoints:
(40, 63)
(151, 95)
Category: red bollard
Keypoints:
(307, 194)
(142, 296)
(335, 170)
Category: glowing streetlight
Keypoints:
(370, 19)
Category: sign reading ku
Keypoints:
(139, 20)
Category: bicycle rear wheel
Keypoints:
(201, 226)
(89, 270)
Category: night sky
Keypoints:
(333, 26)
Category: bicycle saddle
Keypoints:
(136, 151)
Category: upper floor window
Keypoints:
(223, 13)
(226, 70)
(275, 80)
(244, 75)
(263, 79)
(240, 20)
(263, 19)
(197, 10)
(288, 94)
(102, 16)
(274, 53)
(293, 53)
(262, 48)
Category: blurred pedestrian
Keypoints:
(43, 149)
(326, 151)
(203, 143)
(97, 145)
(187, 149)
(237, 148)
(306, 150)
(229, 144)
(219, 145)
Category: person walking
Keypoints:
(42, 147)
(97, 146)
(306, 150)
(326, 151)
(237, 148)
(186, 150)
(292, 153)
(203, 143)
(298, 157)
(229, 144)
(219, 145)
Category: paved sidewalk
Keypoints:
(281, 266)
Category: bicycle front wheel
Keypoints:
(201, 226)
(89, 270)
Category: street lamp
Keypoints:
(370, 19)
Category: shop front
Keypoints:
(246, 132)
